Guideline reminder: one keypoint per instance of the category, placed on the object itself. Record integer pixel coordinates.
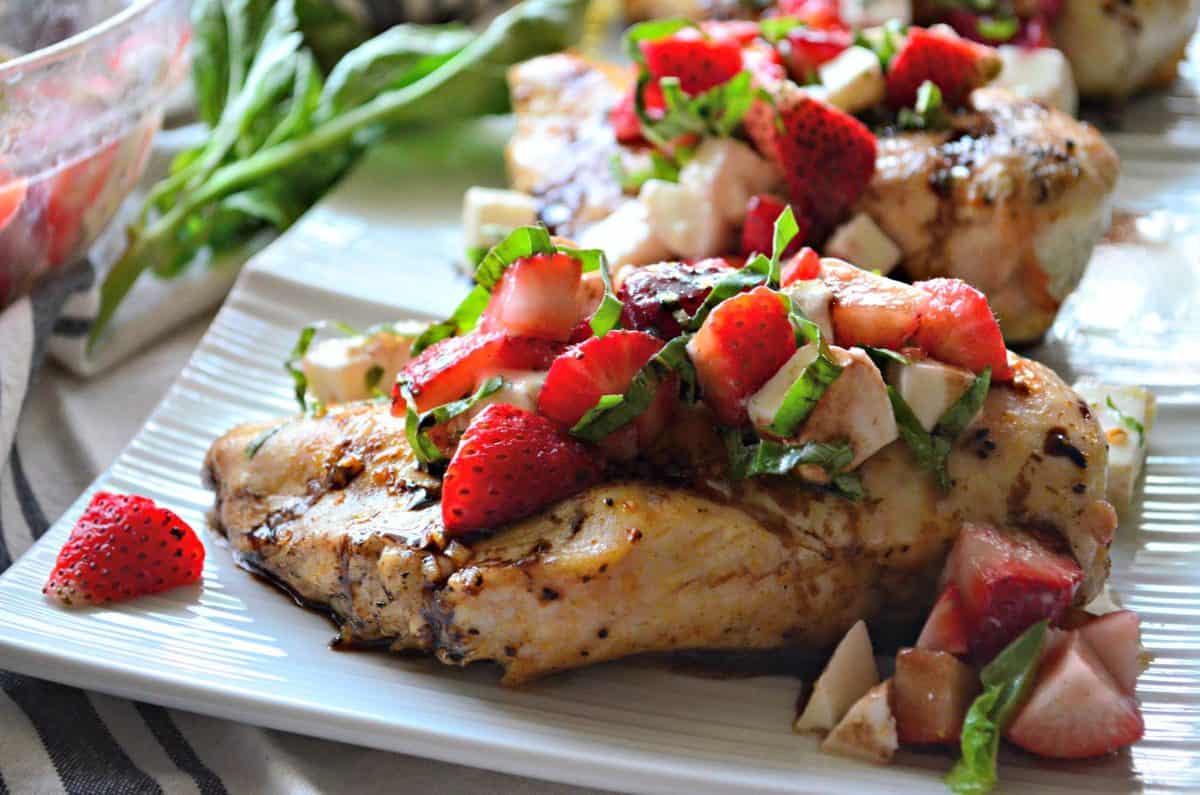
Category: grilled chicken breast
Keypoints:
(334, 509)
(1013, 199)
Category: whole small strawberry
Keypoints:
(122, 547)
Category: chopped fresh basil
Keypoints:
(257, 442)
(785, 230)
(423, 447)
(612, 412)
(767, 457)
(1129, 422)
(884, 41)
(998, 28)
(729, 286)
(933, 449)
(651, 31)
(775, 29)
(608, 314)
(803, 394)
(882, 356)
(372, 378)
(1006, 683)
(717, 111)
(928, 113)
(661, 167)
(292, 364)
(524, 241)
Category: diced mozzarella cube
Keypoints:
(848, 675)
(489, 214)
(1126, 447)
(861, 242)
(865, 13)
(1039, 73)
(868, 732)
(688, 223)
(855, 408)
(625, 237)
(728, 173)
(815, 300)
(854, 80)
(337, 368)
(764, 404)
(929, 388)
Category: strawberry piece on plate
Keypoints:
(958, 327)
(699, 63)
(1008, 581)
(452, 368)
(1117, 640)
(651, 296)
(758, 230)
(122, 547)
(510, 464)
(802, 267)
(537, 296)
(870, 309)
(606, 366)
(956, 65)
(809, 47)
(743, 342)
(828, 158)
(1076, 709)
(946, 627)
(814, 13)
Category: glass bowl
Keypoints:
(83, 84)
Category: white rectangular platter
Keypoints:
(381, 248)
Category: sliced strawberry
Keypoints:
(758, 230)
(627, 127)
(510, 464)
(802, 267)
(451, 369)
(814, 13)
(958, 328)
(699, 63)
(1117, 640)
(537, 296)
(869, 309)
(1076, 709)
(1008, 581)
(743, 342)
(808, 48)
(124, 546)
(605, 366)
(652, 295)
(946, 627)
(828, 158)
(956, 65)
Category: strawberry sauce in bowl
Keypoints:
(83, 84)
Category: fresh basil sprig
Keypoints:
(768, 457)
(1129, 422)
(415, 424)
(612, 412)
(1006, 683)
(933, 449)
(524, 241)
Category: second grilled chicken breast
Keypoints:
(334, 509)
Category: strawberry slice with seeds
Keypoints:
(606, 366)
(122, 547)
(452, 368)
(869, 309)
(946, 628)
(699, 63)
(537, 296)
(958, 327)
(510, 464)
(828, 158)
(743, 342)
(651, 296)
(758, 230)
(1076, 710)
(957, 66)
(1008, 582)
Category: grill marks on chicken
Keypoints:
(641, 566)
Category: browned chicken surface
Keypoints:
(334, 509)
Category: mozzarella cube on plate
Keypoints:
(625, 237)
(489, 214)
(1126, 427)
(865, 13)
(688, 222)
(848, 675)
(861, 242)
(815, 300)
(855, 408)
(344, 369)
(929, 388)
(1039, 73)
(868, 732)
(727, 173)
(854, 80)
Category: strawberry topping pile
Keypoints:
(122, 547)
